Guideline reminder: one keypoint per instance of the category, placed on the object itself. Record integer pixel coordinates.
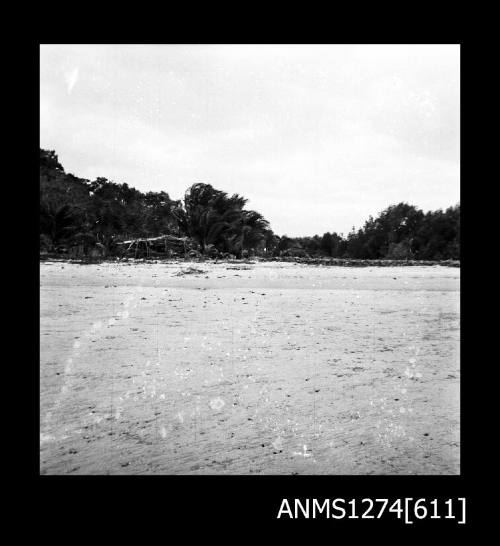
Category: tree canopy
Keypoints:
(75, 211)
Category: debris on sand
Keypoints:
(190, 271)
(239, 268)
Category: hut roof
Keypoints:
(170, 238)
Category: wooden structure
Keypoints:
(164, 245)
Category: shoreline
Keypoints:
(343, 262)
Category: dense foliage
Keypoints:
(80, 213)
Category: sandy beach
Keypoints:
(248, 368)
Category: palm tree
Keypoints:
(211, 216)
(248, 231)
(59, 223)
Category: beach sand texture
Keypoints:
(264, 368)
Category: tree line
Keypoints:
(75, 212)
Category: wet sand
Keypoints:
(265, 368)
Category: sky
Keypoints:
(316, 137)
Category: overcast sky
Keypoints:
(317, 137)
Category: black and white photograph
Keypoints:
(249, 259)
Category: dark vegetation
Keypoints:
(100, 218)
